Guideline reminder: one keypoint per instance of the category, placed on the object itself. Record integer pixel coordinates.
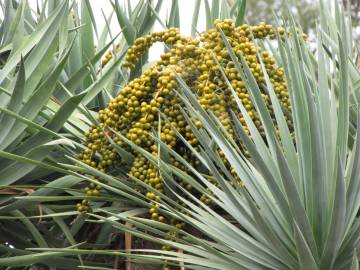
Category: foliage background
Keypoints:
(53, 68)
(305, 11)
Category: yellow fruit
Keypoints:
(135, 111)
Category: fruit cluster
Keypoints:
(109, 55)
(135, 111)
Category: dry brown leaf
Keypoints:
(181, 262)
(128, 244)
(15, 191)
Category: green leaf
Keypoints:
(335, 235)
(148, 19)
(241, 12)
(47, 28)
(54, 124)
(15, 103)
(354, 263)
(52, 188)
(306, 259)
(174, 17)
(33, 106)
(215, 9)
(353, 187)
(125, 24)
(225, 10)
(296, 206)
(16, 170)
(77, 77)
(86, 37)
(17, 31)
(26, 260)
(98, 85)
(195, 17)
(32, 228)
(209, 18)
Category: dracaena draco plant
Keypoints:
(298, 205)
(297, 209)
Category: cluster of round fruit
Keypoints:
(109, 55)
(199, 61)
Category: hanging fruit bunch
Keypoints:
(135, 111)
(109, 55)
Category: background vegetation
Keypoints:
(299, 208)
